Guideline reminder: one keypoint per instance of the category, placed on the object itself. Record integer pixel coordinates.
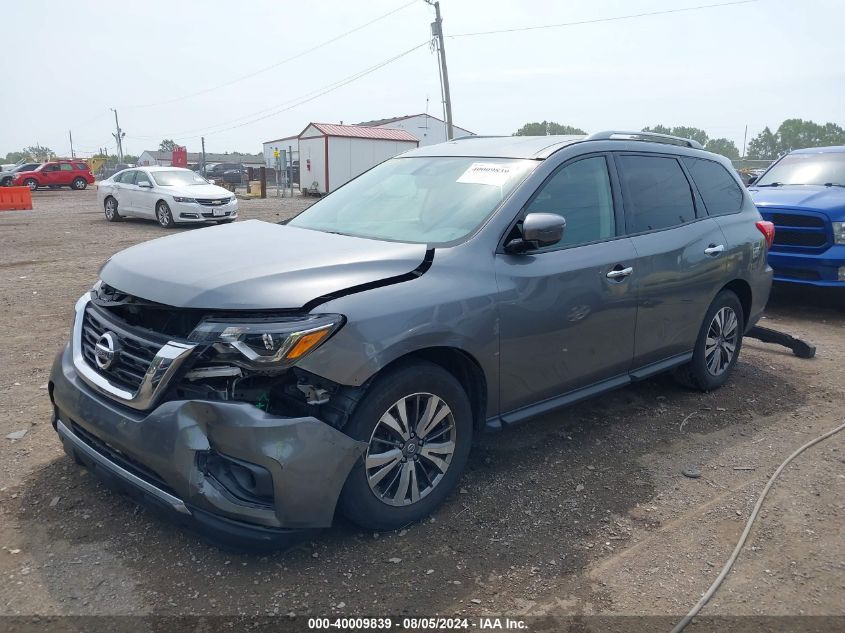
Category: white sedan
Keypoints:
(170, 195)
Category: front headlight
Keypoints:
(838, 232)
(178, 199)
(267, 343)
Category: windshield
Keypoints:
(427, 200)
(177, 178)
(807, 169)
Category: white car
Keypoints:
(171, 195)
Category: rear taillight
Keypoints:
(768, 231)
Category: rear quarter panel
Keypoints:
(746, 255)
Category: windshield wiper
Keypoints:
(771, 184)
(833, 184)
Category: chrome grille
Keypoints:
(139, 378)
(212, 202)
(135, 357)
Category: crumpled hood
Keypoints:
(810, 197)
(254, 265)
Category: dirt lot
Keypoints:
(581, 512)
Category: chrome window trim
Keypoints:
(161, 371)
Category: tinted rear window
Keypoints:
(720, 191)
(657, 193)
(81, 166)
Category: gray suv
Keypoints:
(260, 377)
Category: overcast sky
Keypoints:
(64, 64)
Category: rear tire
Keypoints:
(412, 464)
(32, 183)
(110, 209)
(165, 215)
(717, 346)
(79, 184)
(7, 182)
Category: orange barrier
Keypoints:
(15, 198)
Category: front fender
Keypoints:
(446, 308)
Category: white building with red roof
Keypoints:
(331, 155)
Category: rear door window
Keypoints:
(127, 177)
(81, 166)
(718, 189)
(657, 193)
(142, 177)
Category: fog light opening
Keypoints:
(244, 480)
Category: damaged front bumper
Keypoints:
(292, 468)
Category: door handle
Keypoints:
(619, 273)
(713, 250)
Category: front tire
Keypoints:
(32, 183)
(110, 209)
(164, 215)
(717, 347)
(79, 184)
(417, 421)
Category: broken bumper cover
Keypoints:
(155, 456)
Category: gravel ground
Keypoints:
(581, 512)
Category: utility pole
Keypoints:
(70, 136)
(437, 31)
(202, 166)
(744, 139)
(118, 136)
(290, 170)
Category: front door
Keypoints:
(680, 263)
(568, 312)
(49, 175)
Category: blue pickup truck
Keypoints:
(803, 194)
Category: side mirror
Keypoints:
(538, 230)
(752, 180)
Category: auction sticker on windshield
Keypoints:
(486, 174)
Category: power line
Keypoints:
(274, 65)
(295, 102)
(610, 19)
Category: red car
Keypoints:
(59, 173)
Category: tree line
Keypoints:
(767, 145)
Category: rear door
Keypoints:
(143, 197)
(680, 254)
(122, 190)
(568, 311)
(65, 174)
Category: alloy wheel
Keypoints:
(164, 216)
(720, 346)
(110, 208)
(410, 449)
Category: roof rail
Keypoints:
(652, 137)
(469, 136)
